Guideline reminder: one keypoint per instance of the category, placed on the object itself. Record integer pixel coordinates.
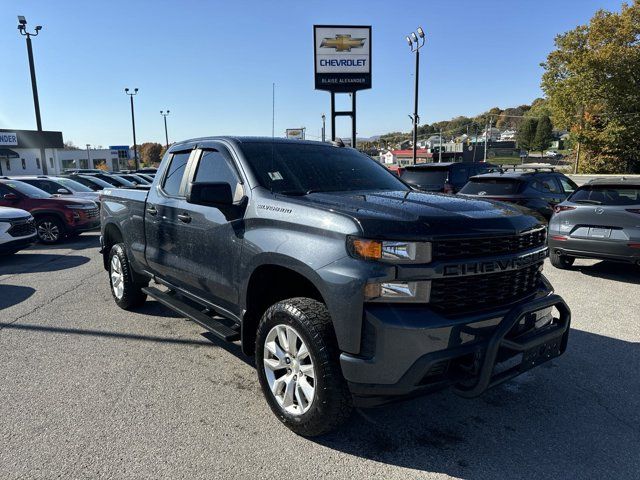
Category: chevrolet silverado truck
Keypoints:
(348, 287)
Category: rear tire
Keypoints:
(126, 291)
(563, 262)
(298, 367)
(50, 229)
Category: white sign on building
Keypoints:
(8, 139)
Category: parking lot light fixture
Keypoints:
(22, 28)
(133, 125)
(166, 135)
(416, 42)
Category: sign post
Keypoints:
(342, 64)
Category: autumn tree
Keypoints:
(592, 82)
(150, 153)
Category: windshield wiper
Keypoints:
(300, 193)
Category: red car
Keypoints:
(56, 217)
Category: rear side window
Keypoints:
(607, 195)
(491, 186)
(173, 178)
(46, 185)
(567, 185)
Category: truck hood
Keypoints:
(417, 214)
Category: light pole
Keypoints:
(323, 127)
(440, 146)
(22, 27)
(133, 123)
(416, 41)
(166, 135)
(88, 157)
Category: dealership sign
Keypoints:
(8, 139)
(342, 56)
(296, 133)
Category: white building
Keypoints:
(23, 152)
(508, 135)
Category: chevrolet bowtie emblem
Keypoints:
(342, 43)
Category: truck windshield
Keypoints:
(491, 186)
(299, 169)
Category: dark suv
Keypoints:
(443, 177)
(55, 217)
(538, 190)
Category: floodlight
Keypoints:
(409, 41)
(414, 37)
(420, 32)
(22, 20)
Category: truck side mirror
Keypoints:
(210, 193)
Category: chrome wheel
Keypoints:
(117, 278)
(48, 231)
(289, 369)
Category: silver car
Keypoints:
(599, 220)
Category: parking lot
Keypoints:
(90, 391)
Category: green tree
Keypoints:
(543, 136)
(592, 82)
(527, 134)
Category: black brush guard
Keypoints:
(536, 346)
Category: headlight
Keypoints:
(396, 291)
(389, 250)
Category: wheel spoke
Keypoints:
(292, 341)
(303, 352)
(308, 370)
(274, 363)
(275, 350)
(306, 389)
(287, 399)
(282, 336)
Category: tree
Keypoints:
(150, 153)
(69, 145)
(527, 134)
(592, 82)
(543, 136)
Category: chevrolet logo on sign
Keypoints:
(342, 43)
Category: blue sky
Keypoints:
(212, 63)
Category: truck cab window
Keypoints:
(173, 179)
(215, 166)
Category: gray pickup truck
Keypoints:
(349, 287)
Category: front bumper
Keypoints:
(412, 354)
(614, 250)
(18, 244)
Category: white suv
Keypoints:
(17, 230)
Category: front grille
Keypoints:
(478, 247)
(22, 228)
(475, 292)
(93, 213)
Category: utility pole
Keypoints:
(22, 27)
(88, 157)
(166, 135)
(416, 45)
(486, 133)
(323, 127)
(440, 146)
(133, 124)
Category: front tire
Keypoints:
(563, 262)
(126, 292)
(298, 367)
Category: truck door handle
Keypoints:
(184, 217)
(151, 210)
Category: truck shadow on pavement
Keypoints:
(39, 262)
(577, 417)
(13, 294)
(619, 272)
(79, 242)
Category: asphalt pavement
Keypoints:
(90, 391)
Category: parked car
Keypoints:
(72, 171)
(17, 230)
(599, 220)
(447, 177)
(348, 286)
(55, 217)
(538, 189)
(61, 186)
(113, 179)
(134, 178)
(552, 154)
(94, 183)
(146, 176)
